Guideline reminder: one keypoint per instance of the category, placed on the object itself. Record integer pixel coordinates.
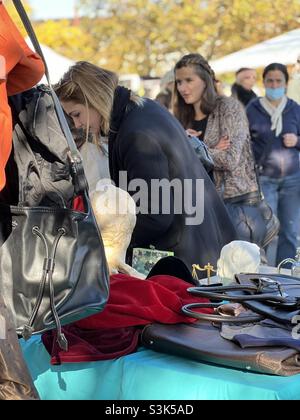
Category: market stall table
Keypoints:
(148, 375)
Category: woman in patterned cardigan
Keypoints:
(222, 124)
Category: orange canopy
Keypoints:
(20, 69)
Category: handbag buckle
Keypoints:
(266, 282)
(77, 173)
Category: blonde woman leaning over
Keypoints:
(147, 145)
(222, 124)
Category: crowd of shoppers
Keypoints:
(149, 144)
(221, 123)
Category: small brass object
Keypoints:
(208, 267)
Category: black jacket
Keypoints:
(245, 96)
(151, 144)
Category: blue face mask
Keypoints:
(275, 93)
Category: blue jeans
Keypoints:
(283, 195)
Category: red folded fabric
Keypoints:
(139, 302)
(114, 332)
(92, 345)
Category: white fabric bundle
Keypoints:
(238, 257)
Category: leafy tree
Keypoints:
(145, 36)
(66, 38)
(148, 36)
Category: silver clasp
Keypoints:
(264, 282)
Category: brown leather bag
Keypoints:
(202, 342)
(15, 380)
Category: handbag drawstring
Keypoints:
(61, 338)
(28, 329)
(48, 269)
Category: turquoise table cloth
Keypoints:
(148, 375)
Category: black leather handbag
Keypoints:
(273, 296)
(202, 342)
(253, 218)
(53, 269)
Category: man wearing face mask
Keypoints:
(275, 131)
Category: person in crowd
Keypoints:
(293, 90)
(242, 88)
(222, 124)
(275, 131)
(147, 146)
(164, 97)
(20, 69)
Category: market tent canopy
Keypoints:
(57, 63)
(283, 49)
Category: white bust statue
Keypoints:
(238, 257)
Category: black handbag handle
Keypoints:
(244, 319)
(77, 171)
(219, 293)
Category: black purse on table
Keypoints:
(272, 296)
(252, 216)
(276, 297)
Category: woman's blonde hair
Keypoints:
(185, 113)
(92, 86)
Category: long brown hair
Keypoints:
(92, 86)
(185, 113)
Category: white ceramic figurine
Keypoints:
(238, 257)
(115, 212)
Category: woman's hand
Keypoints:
(290, 140)
(223, 144)
(191, 132)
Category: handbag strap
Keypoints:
(256, 169)
(261, 194)
(77, 171)
(221, 293)
(242, 319)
